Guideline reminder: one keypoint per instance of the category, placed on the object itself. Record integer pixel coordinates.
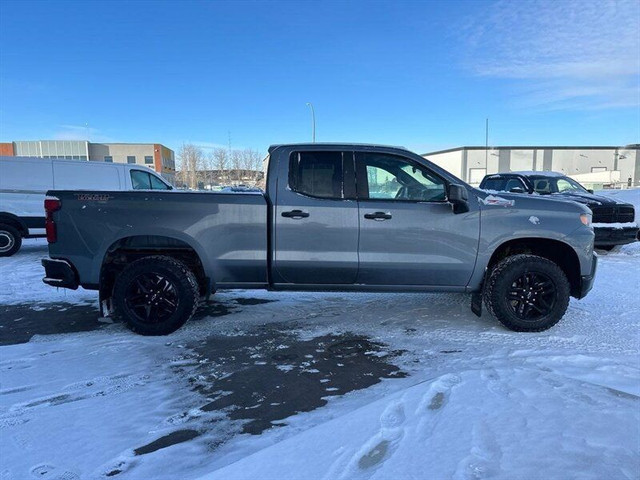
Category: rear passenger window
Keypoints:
(317, 174)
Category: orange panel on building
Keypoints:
(6, 150)
(157, 157)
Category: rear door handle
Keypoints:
(379, 216)
(295, 214)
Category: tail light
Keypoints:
(51, 204)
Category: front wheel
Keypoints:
(10, 240)
(527, 293)
(155, 295)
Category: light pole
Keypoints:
(313, 122)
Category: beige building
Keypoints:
(471, 164)
(152, 155)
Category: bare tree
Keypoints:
(190, 158)
(236, 165)
(207, 174)
(221, 163)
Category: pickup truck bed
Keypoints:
(227, 231)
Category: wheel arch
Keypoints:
(15, 221)
(557, 251)
(130, 248)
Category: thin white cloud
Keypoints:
(575, 54)
(80, 132)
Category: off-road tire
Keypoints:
(10, 240)
(500, 282)
(184, 289)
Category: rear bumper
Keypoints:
(586, 281)
(606, 237)
(59, 273)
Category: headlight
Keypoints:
(585, 218)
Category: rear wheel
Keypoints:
(155, 295)
(527, 293)
(10, 240)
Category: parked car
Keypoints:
(333, 218)
(24, 181)
(613, 221)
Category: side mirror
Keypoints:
(590, 190)
(458, 197)
(517, 190)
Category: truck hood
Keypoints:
(521, 201)
(589, 199)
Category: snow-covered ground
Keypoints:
(478, 401)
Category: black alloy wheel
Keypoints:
(527, 293)
(532, 296)
(155, 295)
(151, 298)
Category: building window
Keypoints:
(108, 158)
(83, 157)
(131, 159)
(148, 160)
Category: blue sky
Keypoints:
(420, 74)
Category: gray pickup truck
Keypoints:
(334, 217)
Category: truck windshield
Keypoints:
(502, 184)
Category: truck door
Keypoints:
(408, 232)
(316, 219)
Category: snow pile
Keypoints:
(631, 195)
(615, 225)
(500, 422)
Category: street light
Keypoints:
(313, 122)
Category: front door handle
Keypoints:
(378, 216)
(295, 214)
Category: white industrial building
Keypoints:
(593, 166)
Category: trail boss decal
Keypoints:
(93, 197)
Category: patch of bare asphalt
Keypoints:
(18, 323)
(260, 378)
(179, 436)
(265, 376)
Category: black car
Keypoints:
(613, 222)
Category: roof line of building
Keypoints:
(537, 147)
(88, 141)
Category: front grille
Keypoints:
(615, 214)
(625, 214)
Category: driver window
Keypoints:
(393, 178)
